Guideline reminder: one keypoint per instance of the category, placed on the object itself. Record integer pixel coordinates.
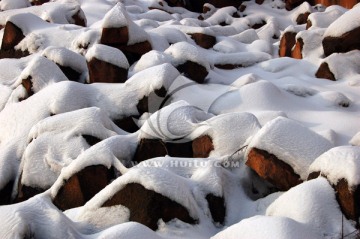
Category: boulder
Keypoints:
(149, 148)
(27, 84)
(147, 206)
(341, 44)
(273, 170)
(154, 99)
(202, 146)
(25, 192)
(127, 123)
(325, 72)
(82, 186)
(291, 4)
(13, 35)
(287, 42)
(297, 50)
(302, 18)
(194, 71)
(217, 208)
(180, 149)
(38, 2)
(204, 40)
(106, 64)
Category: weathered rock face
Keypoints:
(127, 123)
(344, 3)
(149, 148)
(82, 186)
(119, 37)
(13, 35)
(217, 208)
(347, 197)
(202, 146)
(272, 169)
(5, 193)
(302, 18)
(27, 84)
(194, 71)
(345, 43)
(325, 72)
(147, 206)
(101, 71)
(297, 51)
(287, 42)
(203, 40)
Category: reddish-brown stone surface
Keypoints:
(79, 19)
(325, 72)
(272, 169)
(38, 2)
(147, 206)
(297, 51)
(345, 43)
(217, 208)
(13, 35)
(202, 146)
(27, 84)
(344, 3)
(203, 40)
(194, 71)
(82, 186)
(149, 148)
(347, 197)
(287, 42)
(302, 18)
(101, 71)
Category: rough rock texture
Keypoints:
(194, 71)
(101, 71)
(82, 186)
(325, 72)
(127, 123)
(147, 207)
(345, 43)
(119, 37)
(344, 3)
(302, 18)
(27, 84)
(297, 50)
(13, 35)
(272, 169)
(202, 146)
(149, 148)
(217, 208)
(348, 198)
(287, 42)
(203, 40)
(5, 193)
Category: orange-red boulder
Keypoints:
(297, 50)
(272, 169)
(287, 42)
(102, 71)
(82, 186)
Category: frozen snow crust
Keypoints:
(195, 138)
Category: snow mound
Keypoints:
(108, 54)
(292, 143)
(339, 163)
(345, 23)
(312, 203)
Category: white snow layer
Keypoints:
(108, 54)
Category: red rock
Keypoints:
(27, 84)
(217, 208)
(287, 42)
(203, 40)
(272, 169)
(344, 3)
(302, 18)
(147, 206)
(202, 146)
(347, 197)
(101, 71)
(297, 51)
(13, 35)
(345, 43)
(194, 71)
(82, 186)
(325, 72)
(149, 148)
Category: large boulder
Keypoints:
(341, 166)
(13, 35)
(82, 186)
(343, 34)
(106, 64)
(121, 32)
(282, 151)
